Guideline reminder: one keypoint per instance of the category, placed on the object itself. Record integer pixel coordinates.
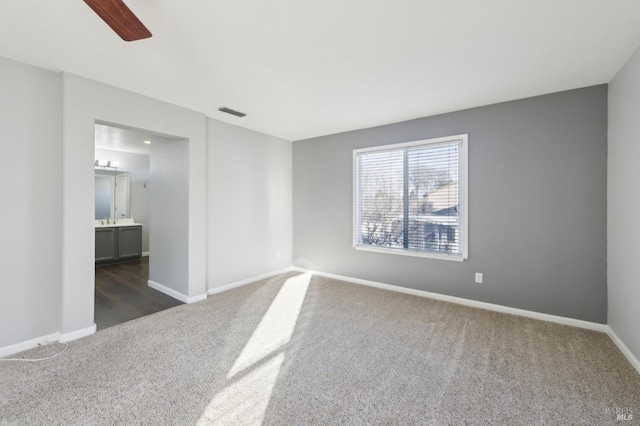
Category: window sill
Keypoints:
(413, 253)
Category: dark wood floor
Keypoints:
(122, 294)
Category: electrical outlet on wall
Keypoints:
(479, 277)
(278, 253)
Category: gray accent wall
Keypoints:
(537, 205)
(31, 188)
(624, 204)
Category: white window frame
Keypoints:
(459, 257)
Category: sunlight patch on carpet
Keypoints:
(244, 401)
(277, 324)
(252, 377)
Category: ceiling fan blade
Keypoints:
(120, 18)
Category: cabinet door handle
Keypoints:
(130, 228)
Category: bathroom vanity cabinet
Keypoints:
(118, 243)
(106, 244)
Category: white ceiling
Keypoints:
(301, 69)
(117, 139)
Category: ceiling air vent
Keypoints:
(232, 111)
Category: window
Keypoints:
(411, 198)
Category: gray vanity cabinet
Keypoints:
(118, 243)
(106, 244)
(129, 242)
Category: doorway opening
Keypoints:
(122, 227)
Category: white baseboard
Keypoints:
(28, 344)
(145, 254)
(466, 302)
(250, 280)
(67, 337)
(175, 294)
(197, 298)
(624, 349)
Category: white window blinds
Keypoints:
(410, 198)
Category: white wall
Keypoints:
(249, 203)
(30, 184)
(169, 218)
(47, 121)
(623, 204)
(85, 102)
(138, 167)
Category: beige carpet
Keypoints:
(300, 350)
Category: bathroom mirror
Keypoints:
(112, 190)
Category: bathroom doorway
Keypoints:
(122, 227)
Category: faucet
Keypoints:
(107, 219)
